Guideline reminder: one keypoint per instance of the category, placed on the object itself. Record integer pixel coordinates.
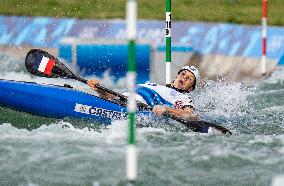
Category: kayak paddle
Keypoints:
(41, 63)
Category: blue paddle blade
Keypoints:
(41, 63)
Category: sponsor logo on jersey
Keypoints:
(96, 111)
(178, 104)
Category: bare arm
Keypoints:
(186, 113)
(93, 82)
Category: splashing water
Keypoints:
(226, 99)
(78, 152)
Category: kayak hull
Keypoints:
(57, 102)
(60, 102)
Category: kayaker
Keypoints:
(172, 99)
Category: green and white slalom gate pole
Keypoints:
(131, 157)
(168, 42)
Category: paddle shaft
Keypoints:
(53, 68)
(124, 98)
(139, 103)
(194, 125)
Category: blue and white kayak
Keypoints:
(63, 101)
(58, 102)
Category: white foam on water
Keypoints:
(54, 131)
(29, 184)
(198, 154)
(278, 180)
(94, 154)
(281, 138)
(261, 139)
(274, 109)
(10, 63)
(277, 77)
(222, 99)
(152, 129)
(116, 133)
(270, 92)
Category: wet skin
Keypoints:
(184, 81)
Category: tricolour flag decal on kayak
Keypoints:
(46, 65)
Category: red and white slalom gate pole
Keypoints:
(264, 33)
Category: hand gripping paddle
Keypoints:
(41, 63)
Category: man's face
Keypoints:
(184, 80)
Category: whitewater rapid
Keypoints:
(44, 151)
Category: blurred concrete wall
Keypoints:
(211, 66)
